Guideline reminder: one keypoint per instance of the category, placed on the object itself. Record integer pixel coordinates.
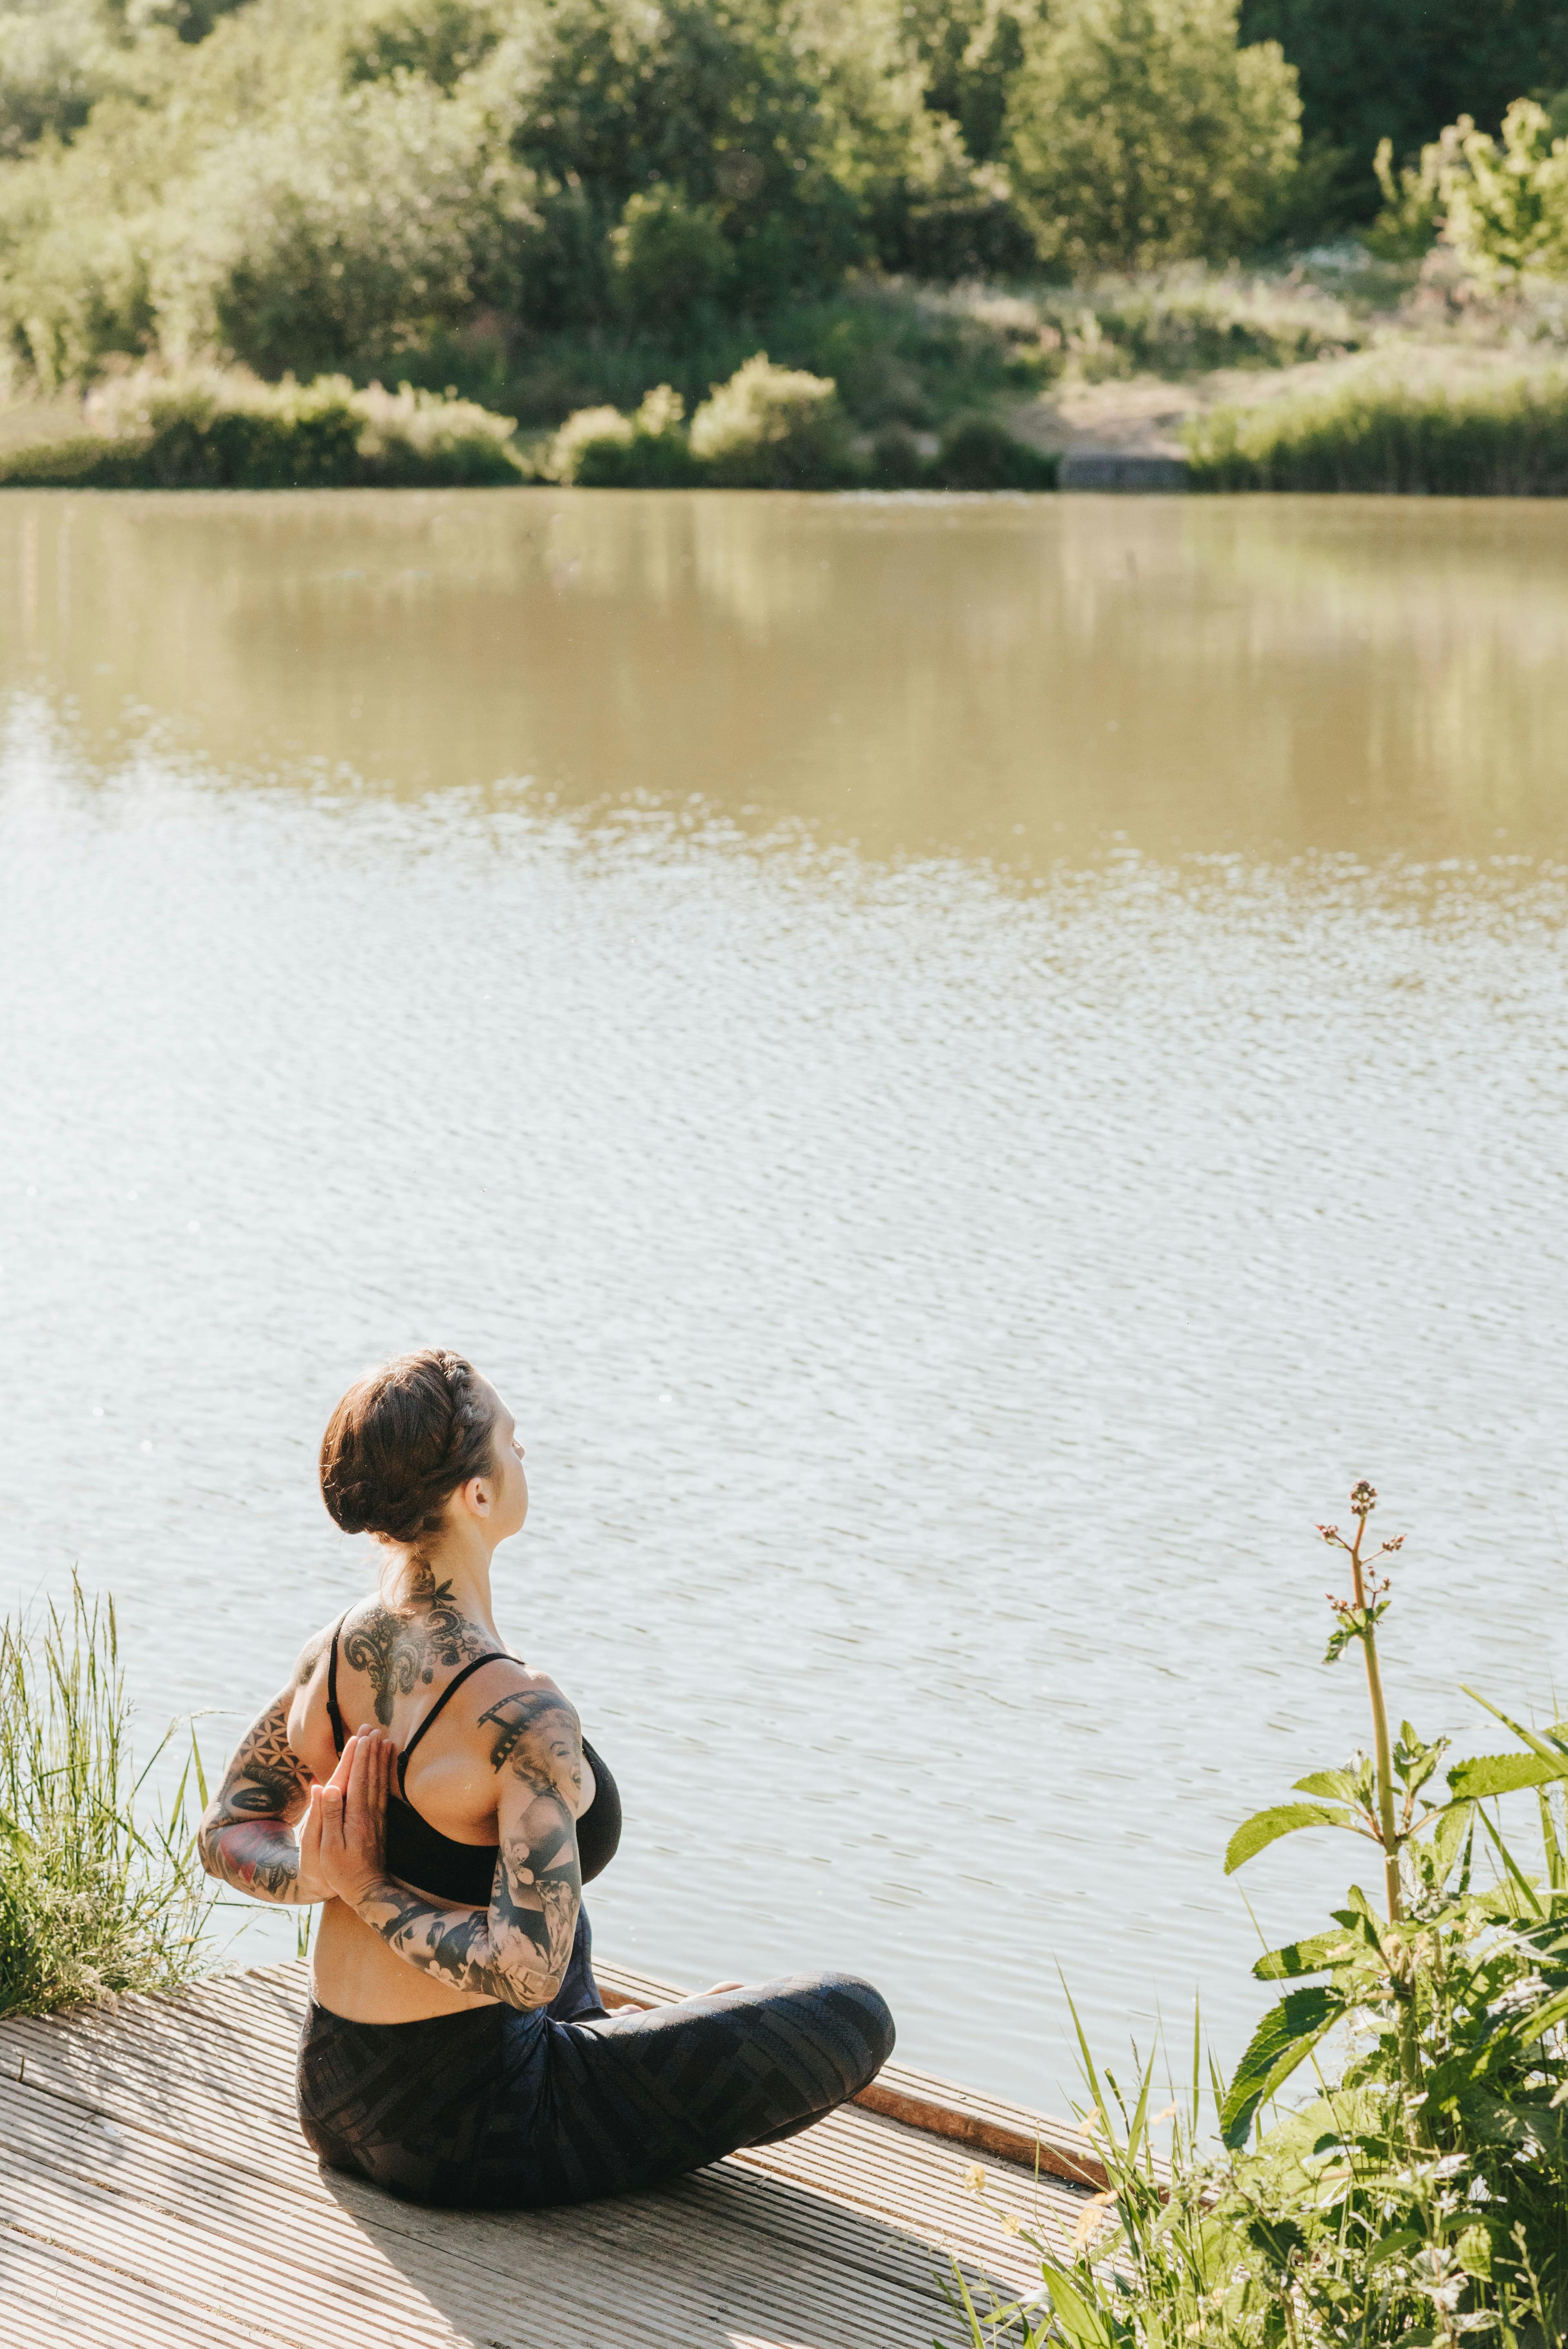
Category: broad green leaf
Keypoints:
(1473, 2251)
(1285, 2037)
(1333, 1785)
(1306, 1957)
(1264, 1827)
(1503, 1774)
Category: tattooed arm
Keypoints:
(518, 1948)
(246, 1834)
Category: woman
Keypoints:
(438, 1799)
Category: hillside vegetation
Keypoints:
(939, 208)
(342, 183)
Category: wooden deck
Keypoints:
(155, 2192)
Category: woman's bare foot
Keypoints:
(715, 1989)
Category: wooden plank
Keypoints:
(411, 2292)
(335, 2268)
(48, 2294)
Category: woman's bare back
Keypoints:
(392, 1668)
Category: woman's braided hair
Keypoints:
(401, 1441)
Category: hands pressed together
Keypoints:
(343, 1836)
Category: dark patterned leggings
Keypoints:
(499, 2109)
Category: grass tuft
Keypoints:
(95, 1898)
(1500, 440)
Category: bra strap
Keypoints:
(494, 1656)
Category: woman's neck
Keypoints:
(452, 1578)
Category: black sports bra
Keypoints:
(448, 1869)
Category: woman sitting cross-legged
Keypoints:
(440, 1800)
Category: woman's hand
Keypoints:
(310, 1868)
(343, 1839)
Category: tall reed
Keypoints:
(96, 1894)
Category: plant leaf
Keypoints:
(1306, 1957)
(1264, 1827)
(1284, 2038)
(1335, 1785)
(1502, 1773)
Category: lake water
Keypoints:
(966, 1065)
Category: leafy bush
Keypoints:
(1139, 133)
(670, 257)
(943, 216)
(895, 461)
(95, 1896)
(1503, 440)
(209, 431)
(1501, 204)
(772, 428)
(1506, 203)
(978, 453)
(1421, 2195)
(364, 221)
(600, 448)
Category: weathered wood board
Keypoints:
(155, 2192)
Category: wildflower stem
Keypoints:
(1403, 1987)
(1383, 1753)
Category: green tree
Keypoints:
(1140, 133)
(355, 227)
(730, 106)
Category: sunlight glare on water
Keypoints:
(967, 1066)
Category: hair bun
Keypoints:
(401, 1441)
